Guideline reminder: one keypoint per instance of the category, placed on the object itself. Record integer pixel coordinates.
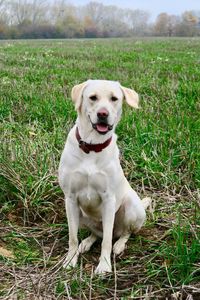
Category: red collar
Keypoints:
(91, 147)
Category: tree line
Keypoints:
(60, 19)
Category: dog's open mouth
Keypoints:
(102, 127)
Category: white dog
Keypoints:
(97, 194)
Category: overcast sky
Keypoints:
(153, 6)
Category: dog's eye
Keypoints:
(113, 98)
(93, 97)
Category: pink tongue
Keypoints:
(102, 127)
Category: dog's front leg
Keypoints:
(108, 216)
(73, 213)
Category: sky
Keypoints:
(153, 6)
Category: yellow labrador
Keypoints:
(97, 194)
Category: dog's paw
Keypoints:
(70, 261)
(119, 247)
(103, 267)
(86, 244)
(146, 202)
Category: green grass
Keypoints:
(161, 158)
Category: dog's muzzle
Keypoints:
(102, 126)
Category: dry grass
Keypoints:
(42, 277)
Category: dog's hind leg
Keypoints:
(129, 219)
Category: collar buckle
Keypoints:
(83, 146)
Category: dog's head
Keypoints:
(99, 102)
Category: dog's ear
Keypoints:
(131, 97)
(77, 93)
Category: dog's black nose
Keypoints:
(102, 114)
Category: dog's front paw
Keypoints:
(71, 260)
(103, 267)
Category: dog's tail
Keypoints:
(146, 202)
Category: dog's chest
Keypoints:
(89, 184)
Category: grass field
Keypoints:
(160, 145)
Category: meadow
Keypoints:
(160, 146)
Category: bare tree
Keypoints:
(60, 10)
(165, 24)
(39, 8)
(63, 15)
(113, 21)
(95, 11)
(138, 21)
(3, 12)
(2, 7)
(27, 11)
(173, 21)
(102, 20)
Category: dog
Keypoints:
(97, 194)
